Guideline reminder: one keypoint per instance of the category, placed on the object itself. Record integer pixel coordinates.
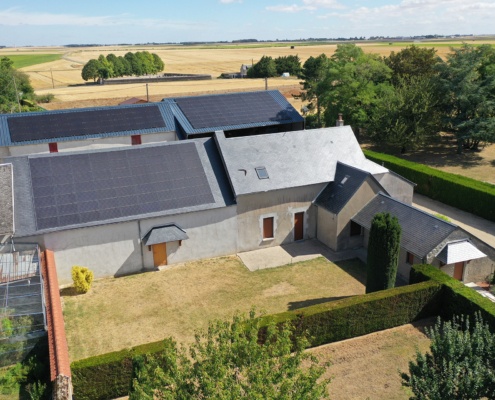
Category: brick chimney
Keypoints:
(340, 121)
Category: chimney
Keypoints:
(340, 121)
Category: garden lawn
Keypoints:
(127, 311)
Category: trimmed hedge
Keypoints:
(360, 315)
(457, 298)
(457, 191)
(108, 376)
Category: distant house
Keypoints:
(133, 100)
(244, 70)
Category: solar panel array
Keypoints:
(232, 109)
(81, 188)
(81, 123)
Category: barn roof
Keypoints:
(421, 232)
(69, 190)
(84, 123)
(232, 111)
(458, 251)
(290, 159)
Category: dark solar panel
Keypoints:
(232, 109)
(81, 123)
(80, 188)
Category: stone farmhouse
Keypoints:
(132, 188)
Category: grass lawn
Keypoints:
(367, 367)
(26, 60)
(132, 310)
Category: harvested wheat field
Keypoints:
(63, 77)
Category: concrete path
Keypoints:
(277, 256)
(479, 227)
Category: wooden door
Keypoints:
(268, 228)
(299, 226)
(159, 254)
(459, 270)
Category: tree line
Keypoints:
(404, 99)
(131, 64)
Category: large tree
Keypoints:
(406, 115)
(353, 83)
(264, 68)
(90, 70)
(412, 62)
(466, 83)
(228, 362)
(313, 74)
(460, 364)
(383, 252)
(290, 64)
(14, 88)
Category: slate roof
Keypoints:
(164, 234)
(232, 111)
(291, 159)
(84, 123)
(346, 182)
(145, 190)
(461, 250)
(421, 232)
(6, 200)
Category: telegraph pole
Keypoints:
(147, 94)
(17, 94)
(53, 83)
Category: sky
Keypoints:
(47, 22)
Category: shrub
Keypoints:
(44, 98)
(455, 190)
(82, 278)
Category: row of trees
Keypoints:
(267, 67)
(406, 98)
(137, 64)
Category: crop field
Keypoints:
(26, 60)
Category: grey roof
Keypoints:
(458, 251)
(149, 197)
(346, 182)
(291, 159)
(6, 200)
(164, 234)
(232, 111)
(84, 123)
(421, 232)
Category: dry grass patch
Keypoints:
(128, 311)
(367, 367)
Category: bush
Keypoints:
(109, 376)
(359, 315)
(455, 190)
(44, 98)
(82, 278)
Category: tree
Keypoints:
(460, 364)
(14, 88)
(313, 73)
(353, 84)
(158, 63)
(264, 68)
(407, 115)
(413, 61)
(290, 64)
(466, 83)
(383, 252)
(228, 362)
(90, 70)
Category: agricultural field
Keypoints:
(62, 77)
(27, 60)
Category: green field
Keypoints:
(25, 60)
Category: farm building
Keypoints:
(130, 209)
(172, 119)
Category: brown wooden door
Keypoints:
(459, 270)
(159, 254)
(268, 228)
(299, 226)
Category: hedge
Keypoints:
(108, 376)
(457, 191)
(457, 298)
(360, 315)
